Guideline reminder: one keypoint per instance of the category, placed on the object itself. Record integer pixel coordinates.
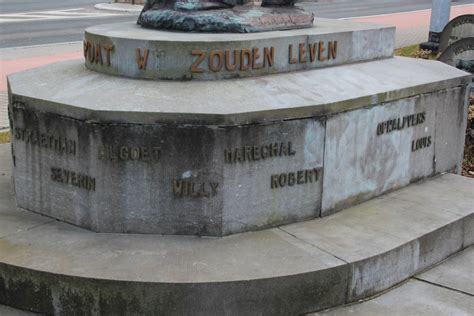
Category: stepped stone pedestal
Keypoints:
(163, 134)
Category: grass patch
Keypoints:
(4, 137)
(415, 52)
(407, 51)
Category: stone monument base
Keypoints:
(51, 267)
(321, 120)
(220, 157)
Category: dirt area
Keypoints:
(4, 137)
(468, 163)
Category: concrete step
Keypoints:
(52, 267)
(447, 289)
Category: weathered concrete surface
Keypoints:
(446, 289)
(294, 269)
(360, 163)
(413, 298)
(383, 223)
(252, 198)
(140, 149)
(455, 273)
(9, 311)
(170, 53)
(132, 194)
(13, 221)
(451, 111)
(86, 95)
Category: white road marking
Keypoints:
(65, 14)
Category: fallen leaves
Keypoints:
(468, 163)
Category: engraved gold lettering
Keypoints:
(265, 151)
(124, 153)
(73, 178)
(201, 56)
(228, 65)
(245, 54)
(91, 53)
(302, 53)
(141, 60)
(294, 178)
(177, 188)
(299, 177)
(312, 51)
(321, 50)
(86, 47)
(135, 154)
(332, 50)
(274, 149)
(400, 123)
(291, 179)
(274, 181)
(291, 59)
(248, 153)
(255, 153)
(421, 143)
(156, 152)
(282, 179)
(214, 186)
(268, 56)
(255, 57)
(145, 153)
(212, 56)
(228, 155)
(108, 49)
(98, 54)
(186, 188)
(49, 141)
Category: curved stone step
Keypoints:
(52, 267)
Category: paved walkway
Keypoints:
(445, 290)
(18, 59)
(412, 28)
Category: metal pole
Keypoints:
(440, 13)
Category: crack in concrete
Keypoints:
(443, 286)
(313, 245)
(21, 230)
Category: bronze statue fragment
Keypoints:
(215, 16)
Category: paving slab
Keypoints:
(413, 298)
(456, 273)
(4, 122)
(10, 311)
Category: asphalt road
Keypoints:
(356, 8)
(34, 22)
